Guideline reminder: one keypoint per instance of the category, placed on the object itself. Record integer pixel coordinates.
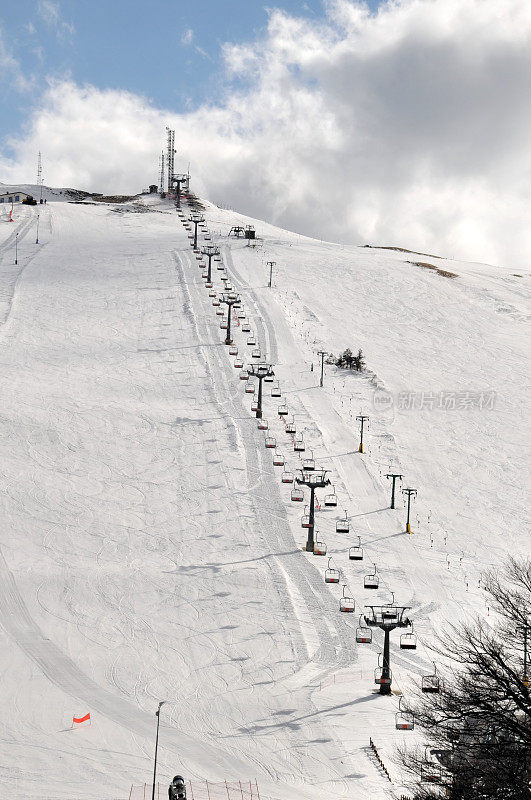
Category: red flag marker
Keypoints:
(81, 719)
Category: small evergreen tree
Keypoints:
(359, 361)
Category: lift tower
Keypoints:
(260, 371)
(387, 618)
(196, 220)
(230, 300)
(314, 479)
(210, 250)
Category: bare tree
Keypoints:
(478, 727)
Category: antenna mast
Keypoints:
(39, 175)
(170, 158)
(161, 180)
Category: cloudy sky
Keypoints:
(403, 122)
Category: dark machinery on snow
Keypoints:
(177, 790)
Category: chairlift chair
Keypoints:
(282, 409)
(275, 391)
(404, 720)
(331, 574)
(223, 325)
(299, 446)
(270, 442)
(254, 405)
(408, 641)
(251, 341)
(287, 477)
(233, 350)
(371, 581)
(217, 258)
(238, 363)
(256, 353)
(250, 388)
(379, 679)
(319, 549)
(209, 284)
(363, 633)
(431, 684)
(297, 495)
(278, 460)
(305, 519)
(246, 328)
(355, 552)
(347, 605)
(430, 773)
(263, 425)
(308, 464)
(290, 426)
(244, 375)
(212, 293)
(228, 286)
(215, 302)
(269, 379)
(219, 312)
(219, 266)
(330, 500)
(343, 525)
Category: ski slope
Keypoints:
(148, 548)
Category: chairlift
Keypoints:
(217, 258)
(256, 353)
(263, 425)
(343, 525)
(305, 519)
(209, 284)
(287, 477)
(431, 684)
(250, 388)
(223, 325)
(297, 495)
(219, 266)
(430, 773)
(331, 574)
(299, 446)
(290, 426)
(404, 720)
(251, 341)
(371, 581)
(363, 633)
(246, 328)
(347, 604)
(269, 378)
(408, 641)
(270, 442)
(254, 405)
(282, 409)
(308, 464)
(275, 391)
(212, 293)
(238, 363)
(233, 350)
(330, 500)
(355, 552)
(228, 286)
(219, 312)
(244, 375)
(215, 302)
(379, 679)
(278, 460)
(319, 549)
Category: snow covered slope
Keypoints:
(148, 549)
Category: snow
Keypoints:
(148, 549)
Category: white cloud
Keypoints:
(408, 127)
(50, 12)
(11, 71)
(187, 37)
